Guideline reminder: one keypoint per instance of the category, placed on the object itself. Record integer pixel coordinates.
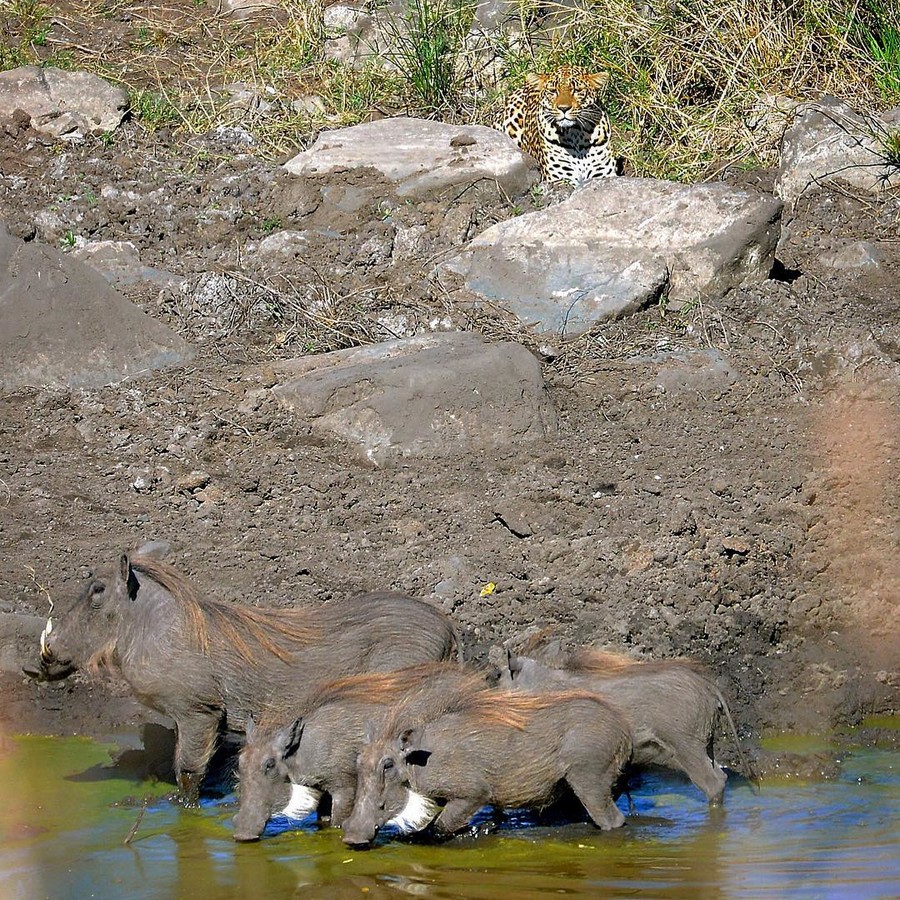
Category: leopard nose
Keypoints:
(563, 109)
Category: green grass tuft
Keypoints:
(425, 47)
(155, 109)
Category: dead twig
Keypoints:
(137, 822)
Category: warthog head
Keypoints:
(265, 783)
(83, 630)
(384, 794)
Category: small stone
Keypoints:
(514, 521)
(311, 104)
(720, 486)
(735, 545)
(858, 255)
(141, 484)
(193, 481)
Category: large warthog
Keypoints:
(503, 748)
(672, 706)
(209, 664)
(287, 769)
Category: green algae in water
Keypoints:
(798, 743)
(46, 780)
(64, 815)
(888, 723)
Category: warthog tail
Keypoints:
(747, 769)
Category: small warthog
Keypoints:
(503, 748)
(287, 769)
(672, 706)
(209, 664)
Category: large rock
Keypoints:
(63, 104)
(425, 394)
(62, 325)
(828, 141)
(615, 245)
(421, 157)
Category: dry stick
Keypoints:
(130, 836)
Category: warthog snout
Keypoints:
(245, 838)
(49, 669)
(358, 838)
(52, 668)
(242, 834)
(356, 844)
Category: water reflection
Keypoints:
(62, 832)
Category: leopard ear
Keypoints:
(535, 79)
(598, 80)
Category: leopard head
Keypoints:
(569, 96)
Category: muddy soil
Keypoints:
(723, 484)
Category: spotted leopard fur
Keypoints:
(559, 119)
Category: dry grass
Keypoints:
(692, 85)
(692, 81)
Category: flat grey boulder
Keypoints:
(62, 104)
(420, 156)
(615, 245)
(829, 141)
(63, 325)
(427, 394)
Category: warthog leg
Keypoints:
(197, 734)
(341, 805)
(457, 814)
(594, 789)
(189, 786)
(694, 762)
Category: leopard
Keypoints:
(559, 119)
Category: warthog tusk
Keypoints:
(45, 650)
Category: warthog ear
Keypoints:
(287, 741)
(411, 752)
(250, 727)
(409, 741)
(513, 662)
(129, 579)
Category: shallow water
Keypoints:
(65, 812)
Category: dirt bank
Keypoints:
(723, 484)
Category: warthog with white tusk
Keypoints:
(209, 664)
(503, 748)
(672, 706)
(286, 768)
